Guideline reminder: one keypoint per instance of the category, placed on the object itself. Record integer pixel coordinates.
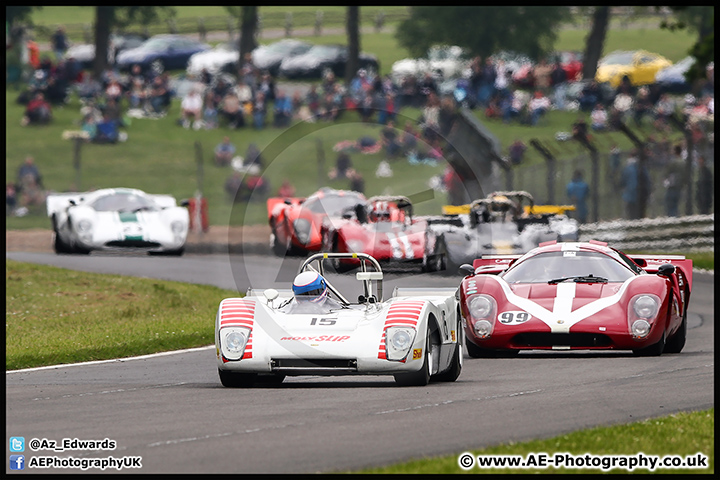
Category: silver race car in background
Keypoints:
(415, 335)
(504, 222)
(117, 219)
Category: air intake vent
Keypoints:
(546, 339)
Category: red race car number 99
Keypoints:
(513, 318)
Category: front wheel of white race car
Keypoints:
(422, 377)
(237, 380)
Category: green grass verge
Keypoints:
(683, 434)
(55, 316)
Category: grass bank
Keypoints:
(680, 435)
(55, 316)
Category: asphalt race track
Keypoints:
(172, 411)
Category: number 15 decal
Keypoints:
(322, 321)
(513, 318)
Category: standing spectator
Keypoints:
(629, 182)
(578, 191)
(542, 74)
(674, 181)
(558, 80)
(313, 100)
(704, 193)
(343, 167)
(487, 83)
(502, 80)
(266, 86)
(210, 112)
(430, 118)
(259, 111)
(59, 43)
(282, 110)
(538, 107)
(623, 103)
(224, 152)
(642, 105)
(599, 118)
(517, 151)
(664, 108)
(191, 108)
(357, 182)
(389, 140)
(388, 110)
(614, 162)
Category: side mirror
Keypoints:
(666, 270)
(271, 294)
(369, 276)
(466, 269)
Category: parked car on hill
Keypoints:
(319, 58)
(161, 52)
(443, 61)
(639, 66)
(84, 53)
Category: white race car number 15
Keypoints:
(322, 321)
(513, 318)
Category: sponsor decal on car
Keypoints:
(320, 338)
(417, 353)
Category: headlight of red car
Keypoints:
(482, 310)
(642, 314)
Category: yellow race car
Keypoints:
(640, 67)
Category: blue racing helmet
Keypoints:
(310, 286)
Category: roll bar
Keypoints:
(364, 259)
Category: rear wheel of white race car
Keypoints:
(237, 380)
(422, 376)
(452, 373)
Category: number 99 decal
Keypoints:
(513, 318)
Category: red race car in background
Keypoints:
(296, 223)
(576, 295)
(388, 232)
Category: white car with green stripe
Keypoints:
(118, 219)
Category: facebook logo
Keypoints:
(17, 444)
(17, 462)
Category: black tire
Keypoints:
(60, 246)
(169, 253)
(422, 377)
(676, 343)
(452, 373)
(278, 249)
(272, 379)
(654, 350)
(237, 380)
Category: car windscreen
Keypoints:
(332, 205)
(548, 266)
(123, 202)
(621, 58)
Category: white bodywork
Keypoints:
(345, 341)
(160, 226)
(212, 60)
(445, 62)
